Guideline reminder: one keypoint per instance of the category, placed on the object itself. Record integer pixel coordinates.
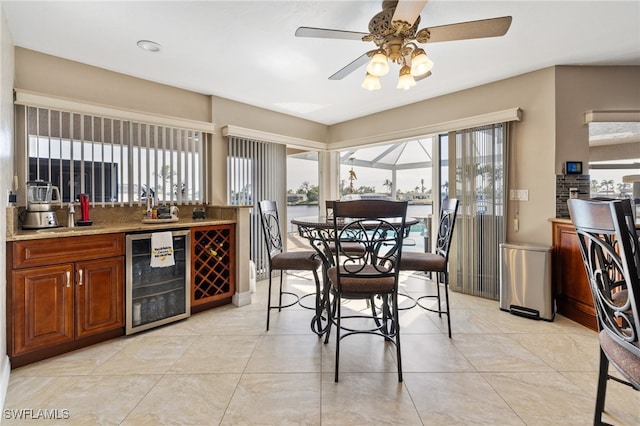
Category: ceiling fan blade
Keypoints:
(329, 33)
(493, 27)
(408, 10)
(354, 65)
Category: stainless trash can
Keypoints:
(525, 281)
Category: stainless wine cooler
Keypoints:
(156, 295)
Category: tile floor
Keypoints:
(221, 367)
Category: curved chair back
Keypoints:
(608, 247)
(378, 227)
(271, 227)
(448, 213)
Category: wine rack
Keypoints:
(213, 266)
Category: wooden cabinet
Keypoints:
(573, 295)
(42, 308)
(99, 296)
(64, 293)
(213, 266)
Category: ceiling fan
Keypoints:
(395, 33)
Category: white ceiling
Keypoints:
(247, 51)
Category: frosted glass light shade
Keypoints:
(371, 82)
(420, 63)
(378, 65)
(405, 81)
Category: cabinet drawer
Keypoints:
(50, 251)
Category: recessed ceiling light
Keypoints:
(149, 46)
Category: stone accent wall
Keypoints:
(563, 183)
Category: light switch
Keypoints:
(519, 194)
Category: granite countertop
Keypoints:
(111, 220)
(35, 234)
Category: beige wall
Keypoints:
(227, 112)
(534, 138)
(6, 172)
(51, 75)
(580, 89)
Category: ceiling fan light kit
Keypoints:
(395, 33)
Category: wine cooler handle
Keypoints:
(68, 279)
(80, 277)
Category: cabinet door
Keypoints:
(42, 307)
(574, 299)
(213, 263)
(99, 295)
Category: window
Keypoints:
(608, 178)
(112, 160)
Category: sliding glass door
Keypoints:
(472, 169)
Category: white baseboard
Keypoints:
(5, 372)
(241, 299)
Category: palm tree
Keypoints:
(607, 185)
(388, 184)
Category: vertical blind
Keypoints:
(114, 161)
(256, 170)
(480, 172)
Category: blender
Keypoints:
(39, 213)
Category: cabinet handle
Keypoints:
(80, 277)
(68, 279)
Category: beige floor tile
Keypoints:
(147, 354)
(103, 400)
(366, 399)
(286, 354)
(622, 404)
(79, 362)
(458, 398)
(509, 323)
(563, 352)
(290, 321)
(498, 352)
(360, 353)
(216, 354)
(239, 321)
(432, 353)
(543, 398)
(185, 400)
(464, 321)
(417, 321)
(270, 399)
(35, 392)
